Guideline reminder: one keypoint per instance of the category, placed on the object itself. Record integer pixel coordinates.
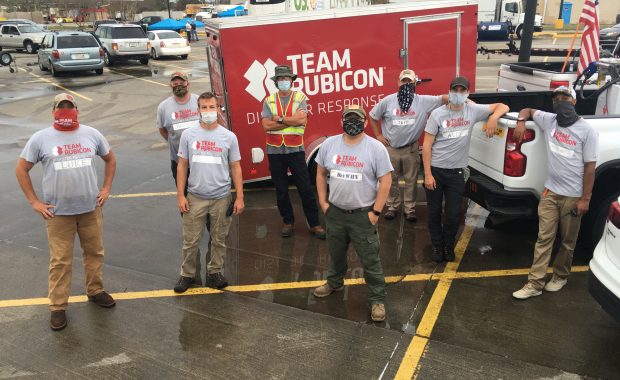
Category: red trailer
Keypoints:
(341, 57)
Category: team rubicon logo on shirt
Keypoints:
(184, 114)
(206, 146)
(347, 161)
(564, 138)
(399, 112)
(70, 149)
(455, 123)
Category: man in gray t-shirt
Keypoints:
(71, 201)
(445, 154)
(359, 172)
(403, 116)
(572, 152)
(210, 153)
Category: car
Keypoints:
(101, 22)
(70, 51)
(168, 43)
(123, 42)
(604, 281)
(21, 36)
(609, 37)
(148, 20)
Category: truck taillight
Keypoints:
(101, 52)
(114, 46)
(56, 54)
(162, 44)
(514, 160)
(614, 214)
(558, 83)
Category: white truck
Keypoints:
(21, 37)
(506, 11)
(507, 178)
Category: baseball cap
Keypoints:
(407, 74)
(178, 74)
(568, 91)
(459, 81)
(354, 109)
(62, 98)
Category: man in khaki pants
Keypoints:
(572, 151)
(71, 201)
(212, 154)
(403, 116)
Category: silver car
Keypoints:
(70, 51)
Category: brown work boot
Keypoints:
(325, 290)
(287, 230)
(377, 313)
(319, 232)
(58, 320)
(102, 299)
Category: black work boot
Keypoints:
(216, 280)
(58, 320)
(448, 252)
(183, 284)
(437, 254)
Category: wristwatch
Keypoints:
(280, 120)
(377, 213)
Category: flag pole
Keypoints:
(570, 50)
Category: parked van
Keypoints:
(123, 42)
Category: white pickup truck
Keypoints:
(507, 178)
(21, 37)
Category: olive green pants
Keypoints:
(354, 227)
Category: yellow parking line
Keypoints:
(57, 85)
(142, 79)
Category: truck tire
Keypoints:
(144, 60)
(519, 31)
(29, 46)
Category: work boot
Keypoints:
(102, 299)
(196, 281)
(389, 215)
(556, 284)
(437, 254)
(526, 292)
(377, 313)
(183, 284)
(448, 252)
(287, 230)
(318, 232)
(411, 217)
(325, 290)
(58, 320)
(216, 280)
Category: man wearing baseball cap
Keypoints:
(403, 116)
(445, 155)
(360, 179)
(572, 151)
(284, 119)
(71, 202)
(175, 114)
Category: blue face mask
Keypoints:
(284, 85)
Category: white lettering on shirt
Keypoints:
(347, 176)
(560, 150)
(455, 134)
(403, 122)
(73, 164)
(207, 159)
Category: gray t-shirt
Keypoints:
(176, 118)
(452, 130)
(354, 170)
(403, 128)
(567, 150)
(69, 172)
(266, 113)
(210, 153)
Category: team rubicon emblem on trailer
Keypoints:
(57, 151)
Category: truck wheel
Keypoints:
(518, 31)
(29, 47)
(593, 223)
(144, 60)
(184, 56)
(107, 59)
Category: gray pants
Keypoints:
(406, 161)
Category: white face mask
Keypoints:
(457, 98)
(208, 117)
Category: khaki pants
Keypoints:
(406, 161)
(61, 232)
(554, 210)
(194, 228)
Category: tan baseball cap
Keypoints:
(180, 75)
(407, 74)
(64, 97)
(354, 109)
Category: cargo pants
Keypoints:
(406, 162)
(344, 227)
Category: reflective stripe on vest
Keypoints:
(291, 136)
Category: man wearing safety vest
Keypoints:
(284, 118)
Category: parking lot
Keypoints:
(449, 321)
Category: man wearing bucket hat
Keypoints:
(445, 155)
(403, 116)
(572, 152)
(284, 119)
(71, 202)
(360, 179)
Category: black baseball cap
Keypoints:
(459, 81)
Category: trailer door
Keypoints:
(433, 49)
(216, 75)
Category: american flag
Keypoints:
(589, 40)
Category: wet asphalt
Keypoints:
(254, 329)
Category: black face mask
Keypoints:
(353, 126)
(405, 96)
(565, 111)
(179, 91)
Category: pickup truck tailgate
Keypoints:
(486, 155)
